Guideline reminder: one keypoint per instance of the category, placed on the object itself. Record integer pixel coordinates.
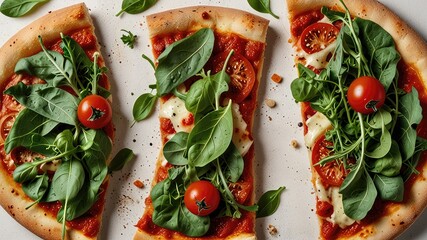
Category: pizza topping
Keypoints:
(366, 94)
(174, 110)
(94, 112)
(317, 37)
(317, 125)
(304, 20)
(201, 198)
(241, 136)
(378, 142)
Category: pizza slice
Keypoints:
(361, 84)
(209, 65)
(56, 130)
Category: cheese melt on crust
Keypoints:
(316, 126)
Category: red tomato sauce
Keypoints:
(89, 223)
(242, 190)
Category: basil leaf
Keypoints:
(143, 106)
(269, 202)
(53, 103)
(27, 125)
(233, 162)
(175, 149)
(25, 172)
(124, 156)
(18, 8)
(262, 6)
(183, 59)
(135, 6)
(48, 65)
(410, 115)
(389, 188)
(68, 179)
(37, 188)
(389, 165)
(200, 97)
(305, 88)
(100, 145)
(210, 137)
(64, 143)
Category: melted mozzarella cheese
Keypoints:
(316, 126)
(318, 59)
(241, 137)
(174, 109)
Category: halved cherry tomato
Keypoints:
(94, 112)
(241, 72)
(366, 94)
(241, 191)
(201, 198)
(318, 36)
(331, 173)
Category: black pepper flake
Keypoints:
(300, 124)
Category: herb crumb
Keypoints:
(129, 39)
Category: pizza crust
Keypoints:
(223, 20)
(413, 50)
(24, 44)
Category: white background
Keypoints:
(278, 164)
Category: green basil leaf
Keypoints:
(37, 188)
(389, 165)
(332, 15)
(262, 6)
(143, 106)
(269, 202)
(233, 163)
(210, 137)
(409, 117)
(25, 172)
(53, 103)
(100, 145)
(43, 144)
(68, 179)
(27, 125)
(175, 149)
(64, 142)
(18, 8)
(389, 188)
(135, 6)
(124, 156)
(200, 97)
(50, 66)
(183, 59)
(305, 88)
(359, 194)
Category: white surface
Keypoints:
(277, 162)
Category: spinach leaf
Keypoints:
(383, 147)
(143, 106)
(100, 145)
(53, 103)
(262, 6)
(28, 124)
(269, 202)
(183, 59)
(124, 156)
(25, 172)
(64, 143)
(200, 97)
(79, 205)
(358, 194)
(389, 165)
(175, 149)
(18, 8)
(68, 179)
(210, 137)
(135, 6)
(233, 163)
(48, 65)
(410, 115)
(37, 188)
(305, 88)
(389, 188)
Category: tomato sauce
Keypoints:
(242, 190)
(89, 223)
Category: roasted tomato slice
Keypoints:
(241, 72)
(331, 173)
(318, 36)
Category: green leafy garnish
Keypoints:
(262, 6)
(128, 39)
(135, 6)
(18, 8)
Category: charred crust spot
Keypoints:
(205, 15)
(401, 223)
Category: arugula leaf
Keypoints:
(135, 6)
(18, 8)
(128, 39)
(262, 6)
(53, 103)
(183, 59)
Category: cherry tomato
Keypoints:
(318, 36)
(94, 112)
(331, 173)
(201, 198)
(241, 191)
(366, 94)
(241, 72)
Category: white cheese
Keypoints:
(339, 217)
(318, 59)
(321, 193)
(316, 126)
(174, 109)
(241, 137)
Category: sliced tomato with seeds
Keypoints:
(318, 36)
(331, 173)
(242, 75)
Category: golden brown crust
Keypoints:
(222, 19)
(23, 44)
(413, 50)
